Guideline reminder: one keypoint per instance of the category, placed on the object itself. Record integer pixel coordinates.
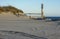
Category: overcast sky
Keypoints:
(51, 7)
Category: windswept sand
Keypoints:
(10, 22)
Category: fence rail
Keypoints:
(32, 13)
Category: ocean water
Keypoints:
(38, 15)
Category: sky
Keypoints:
(51, 7)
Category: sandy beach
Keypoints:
(50, 30)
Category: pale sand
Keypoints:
(10, 22)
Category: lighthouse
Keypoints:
(42, 12)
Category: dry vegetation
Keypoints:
(10, 9)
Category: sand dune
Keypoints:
(10, 22)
